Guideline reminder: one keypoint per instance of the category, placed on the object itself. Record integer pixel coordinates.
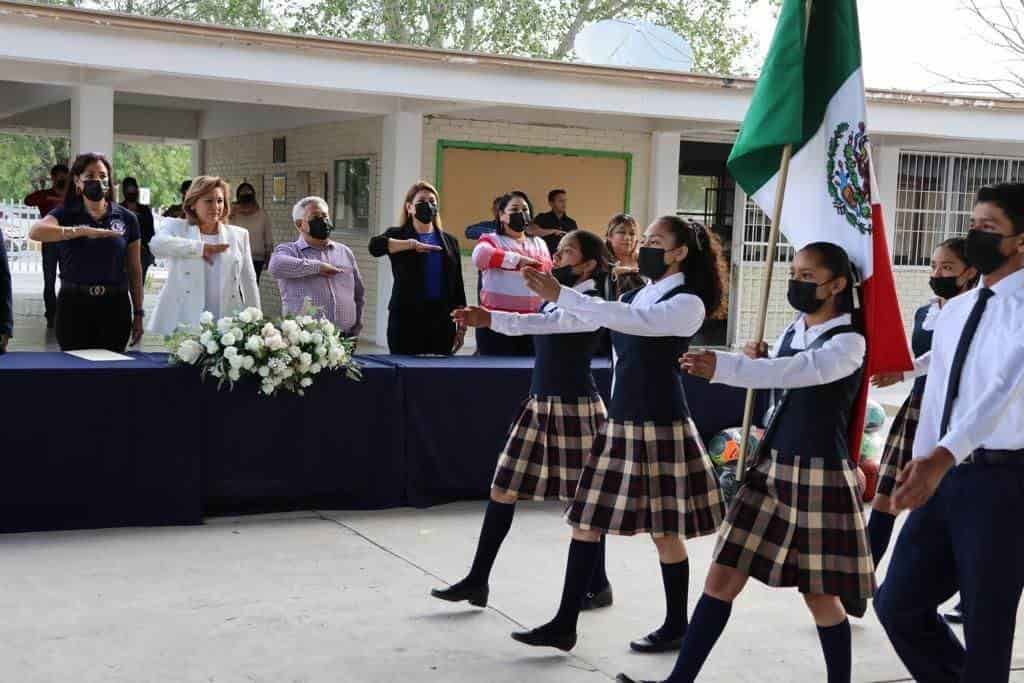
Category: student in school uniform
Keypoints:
(500, 257)
(965, 483)
(648, 472)
(951, 276)
(556, 426)
(796, 520)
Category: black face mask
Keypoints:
(518, 221)
(246, 198)
(652, 262)
(132, 196)
(94, 190)
(565, 276)
(319, 228)
(803, 296)
(983, 250)
(61, 185)
(425, 212)
(945, 287)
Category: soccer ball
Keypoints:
(724, 447)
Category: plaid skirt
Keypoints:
(798, 521)
(899, 446)
(547, 445)
(648, 478)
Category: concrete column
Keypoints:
(663, 196)
(401, 162)
(198, 158)
(887, 171)
(92, 120)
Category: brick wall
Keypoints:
(313, 149)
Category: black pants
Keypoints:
(491, 343)
(93, 322)
(259, 268)
(50, 258)
(426, 329)
(966, 538)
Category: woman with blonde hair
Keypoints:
(209, 262)
(622, 237)
(428, 285)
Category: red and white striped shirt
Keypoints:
(499, 258)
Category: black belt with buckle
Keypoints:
(94, 290)
(984, 456)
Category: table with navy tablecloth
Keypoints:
(139, 442)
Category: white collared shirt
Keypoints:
(989, 410)
(550, 320)
(680, 316)
(839, 357)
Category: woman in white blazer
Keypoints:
(209, 262)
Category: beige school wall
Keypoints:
(315, 149)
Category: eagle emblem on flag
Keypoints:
(849, 175)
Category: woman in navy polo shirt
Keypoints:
(100, 261)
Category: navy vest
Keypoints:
(648, 381)
(813, 421)
(562, 365)
(921, 343)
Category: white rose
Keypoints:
(289, 326)
(253, 343)
(288, 372)
(216, 372)
(294, 338)
(306, 359)
(189, 351)
(308, 320)
(334, 355)
(315, 368)
(276, 343)
(206, 318)
(236, 362)
(248, 362)
(224, 324)
(245, 316)
(234, 375)
(269, 330)
(295, 351)
(306, 381)
(321, 351)
(305, 337)
(228, 339)
(230, 352)
(254, 313)
(267, 389)
(212, 347)
(264, 371)
(328, 327)
(205, 338)
(317, 338)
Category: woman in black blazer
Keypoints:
(428, 278)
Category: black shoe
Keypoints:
(598, 600)
(855, 607)
(545, 636)
(956, 616)
(623, 678)
(462, 591)
(657, 642)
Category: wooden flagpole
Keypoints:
(773, 238)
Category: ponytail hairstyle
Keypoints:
(958, 245)
(593, 249)
(704, 267)
(504, 202)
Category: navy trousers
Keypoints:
(968, 537)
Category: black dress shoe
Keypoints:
(544, 636)
(855, 607)
(623, 678)
(474, 595)
(656, 642)
(598, 600)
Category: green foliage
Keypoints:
(161, 168)
(25, 162)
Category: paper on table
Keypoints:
(100, 355)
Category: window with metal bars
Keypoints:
(756, 226)
(935, 196)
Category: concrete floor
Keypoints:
(343, 596)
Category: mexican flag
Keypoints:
(811, 95)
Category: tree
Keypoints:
(161, 168)
(1001, 25)
(25, 162)
(534, 28)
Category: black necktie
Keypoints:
(953, 388)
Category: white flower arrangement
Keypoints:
(282, 355)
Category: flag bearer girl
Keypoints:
(796, 520)
(951, 275)
(648, 471)
(555, 429)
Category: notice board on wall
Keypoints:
(470, 175)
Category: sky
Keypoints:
(905, 43)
